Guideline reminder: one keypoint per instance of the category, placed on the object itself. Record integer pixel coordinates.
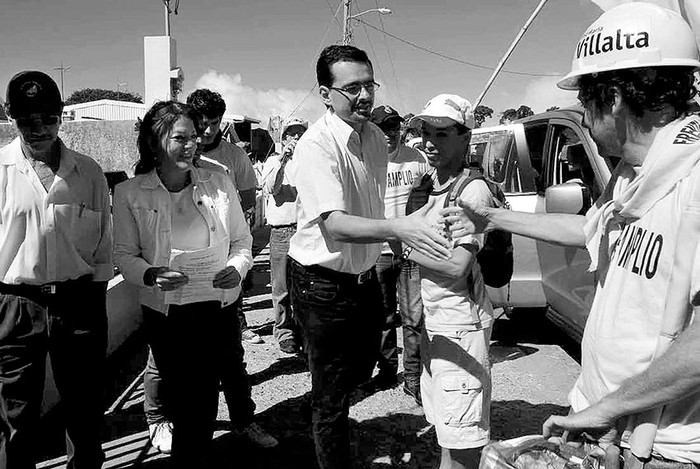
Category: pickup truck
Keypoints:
(546, 163)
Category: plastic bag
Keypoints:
(535, 452)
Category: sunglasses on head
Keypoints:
(30, 121)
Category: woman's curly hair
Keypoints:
(642, 89)
(157, 124)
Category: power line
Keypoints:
(335, 15)
(320, 46)
(388, 51)
(471, 64)
(302, 101)
(374, 53)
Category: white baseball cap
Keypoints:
(291, 122)
(445, 110)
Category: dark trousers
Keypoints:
(400, 280)
(285, 325)
(230, 368)
(341, 327)
(74, 332)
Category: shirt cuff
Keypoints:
(241, 263)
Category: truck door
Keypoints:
(503, 154)
(568, 285)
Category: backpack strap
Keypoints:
(455, 190)
(458, 185)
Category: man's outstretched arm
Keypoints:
(413, 230)
(557, 228)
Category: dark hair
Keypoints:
(336, 53)
(156, 124)
(642, 89)
(461, 128)
(207, 102)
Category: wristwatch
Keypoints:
(406, 252)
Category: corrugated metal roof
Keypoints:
(105, 109)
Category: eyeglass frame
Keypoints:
(366, 85)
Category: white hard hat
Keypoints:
(633, 35)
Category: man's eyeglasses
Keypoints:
(355, 89)
(42, 120)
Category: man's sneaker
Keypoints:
(259, 437)
(251, 337)
(161, 436)
(289, 346)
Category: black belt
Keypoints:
(47, 292)
(334, 275)
(291, 225)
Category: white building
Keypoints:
(104, 109)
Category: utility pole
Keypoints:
(509, 51)
(62, 70)
(168, 11)
(347, 34)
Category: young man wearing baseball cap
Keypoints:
(405, 168)
(633, 70)
(457, 312)
(280, 212)
(55, 247)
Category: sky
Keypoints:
(261, 54)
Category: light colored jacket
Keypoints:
(142, 234)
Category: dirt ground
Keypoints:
(531, 375)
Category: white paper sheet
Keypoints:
(200, 267)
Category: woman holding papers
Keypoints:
(180, 234)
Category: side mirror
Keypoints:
(565, 198)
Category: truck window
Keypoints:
(536, 135)
(491, 151)
(569, 162)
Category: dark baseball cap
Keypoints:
(384, 114)
(32, 92)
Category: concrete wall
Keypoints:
(111, 143)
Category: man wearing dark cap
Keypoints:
(405, 168)
(55, 247)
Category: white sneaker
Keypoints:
(251, 337)
(161, 436)
(258, 436)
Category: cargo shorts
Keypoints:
(456, 386)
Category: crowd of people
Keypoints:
(351, 261)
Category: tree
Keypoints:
(93, 94)
(553, 108)
(507, 116)
(481, 113)
(524, 111)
